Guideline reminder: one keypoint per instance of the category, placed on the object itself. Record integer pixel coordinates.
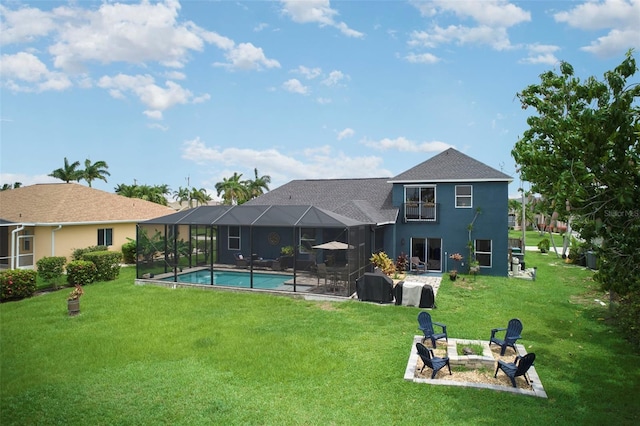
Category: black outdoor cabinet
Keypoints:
(375, 287)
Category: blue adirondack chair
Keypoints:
(426, 325)
(517, 368)
(512, 333)
(433, 362)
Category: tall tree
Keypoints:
(156, 194)
(69, 172)
(97, 170)
(182, 195)
(259, 185)
(200, 196)
(581, 153)
(233, 190)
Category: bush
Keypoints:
(544, 245)
(382, 261)
(129, 252)
(81, 272)
(107, 264)
(79, 253)
(402, 262)
(628, 318)
(51, 268)
(17, 284)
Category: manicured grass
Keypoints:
(152, 355)
(532, 238)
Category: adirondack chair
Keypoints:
(519, 367)
(433, 362)
(426, 325)
(418, 265)
(512, 333)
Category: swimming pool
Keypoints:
(233, 279)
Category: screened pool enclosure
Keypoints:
(255, 238)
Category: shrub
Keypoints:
(81, 272)
(17, 284)
(79, 253)
(544, 245)
(107, 264)
(402, 262)
(382, 261)
(628, 318)
(129, 252)
(51, 268)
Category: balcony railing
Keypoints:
(421, 212)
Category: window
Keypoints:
(463, 196)
(483, 252)
(105, 237)
(420, 202)
(234, 238)
(307, 239)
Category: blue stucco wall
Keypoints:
(491, 198)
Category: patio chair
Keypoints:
(418, 265)
(241, 261)
(519, 367)
(512, 333)
(433, 362)
(426, 325)
(322, 272)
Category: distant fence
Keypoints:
(515, 242)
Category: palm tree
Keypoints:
(259, 185)
(181, 195)
(156, 194)
(233, 190)
(94, 171)
(125, 190)
(200, 196)
(69, 172)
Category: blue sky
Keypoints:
(188, 92)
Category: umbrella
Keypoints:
(333, 245)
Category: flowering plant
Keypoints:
(456, 256)
(76, 293)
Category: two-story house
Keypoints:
(448, 204)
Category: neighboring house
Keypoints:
(54, 219)
(426, 211)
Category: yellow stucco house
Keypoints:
(54, 219)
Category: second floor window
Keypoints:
(464, 196)
(420, 202)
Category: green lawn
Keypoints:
(152, 355)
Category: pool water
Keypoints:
(233, 279)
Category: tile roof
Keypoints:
(451, 166)
(73, 203)
(365, 200)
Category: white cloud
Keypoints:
(334, 78)
(295, 86)
(261, 26)
(323, 101)
(246, 56)
(422, 58)
(541, 54)
(403, 144)
(25, 24)
(319, 163)
(346, 133)
(493, 18)
(316, 11)
(309, 73)
(156, 98)
(25, 72)
(621, 17)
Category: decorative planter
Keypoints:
(73, 306)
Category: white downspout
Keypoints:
(53, 240)
(14, 246)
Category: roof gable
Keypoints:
(73, 203)
(451, 166)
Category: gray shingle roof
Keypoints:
(451, 166)
(365, 200)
